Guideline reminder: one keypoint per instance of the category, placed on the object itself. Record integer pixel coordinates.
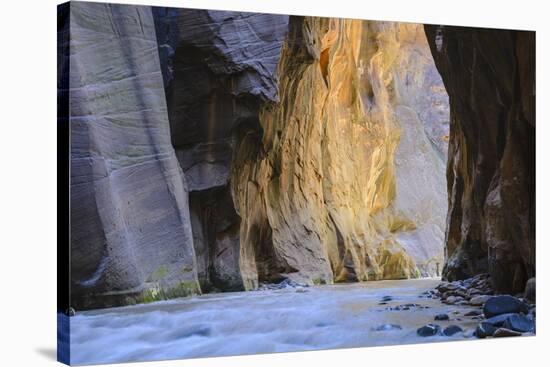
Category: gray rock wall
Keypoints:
(131, 234)
(219, 67)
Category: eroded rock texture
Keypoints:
(213, 151)
(131, 234)
(329, 192)
(490, 78)
(220, 70)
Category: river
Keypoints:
(221, 324)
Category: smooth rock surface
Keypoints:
(498, 305)
(131, 234)
(484, 329)
(428, 330)
(452, 330)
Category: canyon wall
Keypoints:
(344, 183)
(490, 78)
(220, 69)
(131, 236)
(215, 151)
(324, 139)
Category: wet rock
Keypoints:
(499, 305)
(479, 300)
(484, 329)
(530, 290)
(519, 323)
(473, 313)
(504, 332)
(452, 330)
(452, 299)
(387, 327)
(428, 330)
(499, 320)
(441, 317)
(387, 299)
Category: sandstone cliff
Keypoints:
(330, 191)
(212, 151)
(490, 78)
(131, 233)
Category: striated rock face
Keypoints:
(221, 68)
(131, 234)
(213, 151)
(333, 190)
(490, 78)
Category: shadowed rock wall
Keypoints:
(490, 78)
(219, 70)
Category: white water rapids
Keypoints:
(323, 317)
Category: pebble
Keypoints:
(441, 317)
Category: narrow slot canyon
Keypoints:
(346, 177)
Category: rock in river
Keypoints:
(484, 329)
(479, 300)
(441, 317)
(452, 330)
(519, 323)
(428, 330)
(499, 305)
(503, 332)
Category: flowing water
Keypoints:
(322, 317)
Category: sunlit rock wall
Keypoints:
(343, 183)
(490, 77)
(131, 235)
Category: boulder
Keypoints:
(519, 323)
(499, 305)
